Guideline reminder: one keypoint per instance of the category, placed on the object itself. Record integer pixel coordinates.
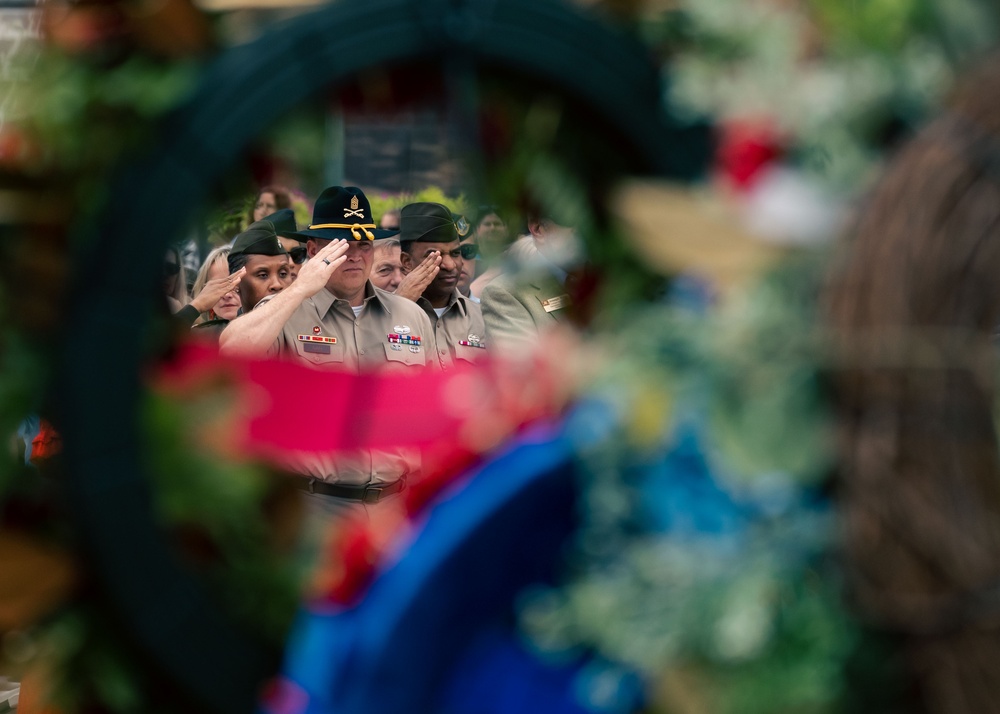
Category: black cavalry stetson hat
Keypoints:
(343, 212)
(427, 223)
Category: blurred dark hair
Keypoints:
(236, 261)
(482, 212)
(282, 199)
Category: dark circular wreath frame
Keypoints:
(213, 662)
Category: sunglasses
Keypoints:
(470, 251)
(170, 269)
(298, 255)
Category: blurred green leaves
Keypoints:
(217, 510)
(84, 116)
(382, 202)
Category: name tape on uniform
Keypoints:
(555, 303)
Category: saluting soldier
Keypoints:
(332, 317)
(427, 229)
(268, 267)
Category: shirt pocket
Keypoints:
(405, 355)
(468, 353)
(320, 353)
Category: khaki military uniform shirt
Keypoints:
(519, 309)
(460, 331)
(390, 333)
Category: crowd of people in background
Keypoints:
(419, 287)
(489, 245)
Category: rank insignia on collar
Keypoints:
(401, 339)
(555, 303)
(317, 338)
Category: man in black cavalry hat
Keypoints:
(332, 317)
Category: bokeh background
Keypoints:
(778, 424)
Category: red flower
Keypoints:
(745, 149)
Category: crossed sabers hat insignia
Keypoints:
(354, 210)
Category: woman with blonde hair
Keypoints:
(214, 290)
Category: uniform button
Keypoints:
(362, 351)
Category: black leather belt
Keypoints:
(370, 493)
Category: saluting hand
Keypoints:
(214, 290)
(417, 280)
(315, 272)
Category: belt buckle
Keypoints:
(372, 494)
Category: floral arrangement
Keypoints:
(705, 562)
(835, 85)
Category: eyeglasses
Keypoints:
(170, 269)
(470, 251)
(298, 255)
